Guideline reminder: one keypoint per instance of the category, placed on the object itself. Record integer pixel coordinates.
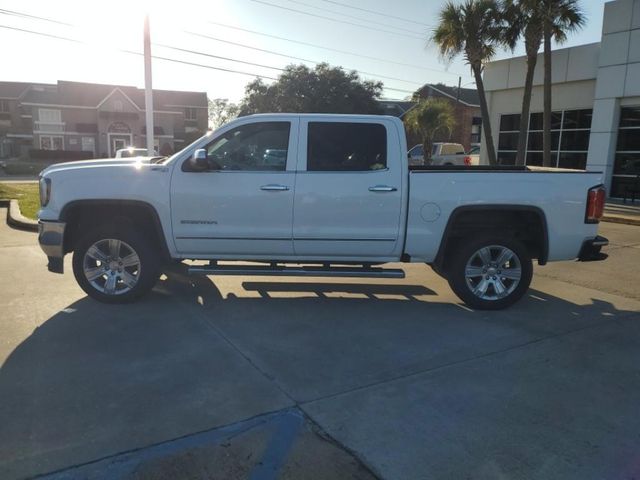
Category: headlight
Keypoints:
(45, 191)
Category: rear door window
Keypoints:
(346, 147)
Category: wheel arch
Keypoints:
(508, 218)
(79, 213)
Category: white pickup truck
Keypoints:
(443, 154)
(314, 195)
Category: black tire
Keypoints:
(146, 274)
(463, 287)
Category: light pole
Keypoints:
(148, 92)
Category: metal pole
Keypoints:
(148, 92)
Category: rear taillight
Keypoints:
(467, 160)
(595, 204)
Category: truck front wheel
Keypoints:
(115, 264)
(490, 273)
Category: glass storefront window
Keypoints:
(626, 167)
(570, 132)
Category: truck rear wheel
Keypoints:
(490, 273)
(115, 264)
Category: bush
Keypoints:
(59, 155)
(25, 168)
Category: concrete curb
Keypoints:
(612, 218)
(15, 217)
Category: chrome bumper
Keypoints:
(51, 239)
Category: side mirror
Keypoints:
(199, 161)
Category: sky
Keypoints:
(377, 38)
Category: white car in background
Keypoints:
(443, 154)
(130, 152)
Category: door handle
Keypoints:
(274, 188)
(382, 188)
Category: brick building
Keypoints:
(95, 118)
(466, 104)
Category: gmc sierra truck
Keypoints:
(314, 195)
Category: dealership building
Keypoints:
(596, 102)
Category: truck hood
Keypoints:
(104, 162)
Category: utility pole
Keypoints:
(148, 92)
(457, 103)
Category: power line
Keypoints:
(386, 15)
(355, 17)
(221, 57)
(316, 62)
(183, 62)
(42, 34)
(344, 52)
(26, 15)
(195, 52)
(131, 52)
(21, 14)
(335, 20)
(13, 13)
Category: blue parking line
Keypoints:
(287, 426)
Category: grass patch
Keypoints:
(27, 195)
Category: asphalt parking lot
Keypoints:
(286, 378)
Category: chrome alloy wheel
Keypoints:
(493, 272)
(111, 266)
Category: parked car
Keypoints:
(443, 154)
(344, 202)
(474, 150)
(131, 152)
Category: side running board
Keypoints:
(277, 270)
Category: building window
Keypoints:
(570, 131)
(339, 147)
(46, 115)
(51, 142)
(476, 130)
(4, 106)
(627, 162)
(117, 106)
(190, 114)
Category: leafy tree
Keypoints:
(222, 111)
(560, 17)
(474, 29)
(428, 118)
(323, 89)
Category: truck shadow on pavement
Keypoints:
(95, 380)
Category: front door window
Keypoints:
(254, 147)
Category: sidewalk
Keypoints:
(18, 178)
(617, 212)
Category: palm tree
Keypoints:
(427, 119)
(474, 30)
(524, 18)
(560, 17)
